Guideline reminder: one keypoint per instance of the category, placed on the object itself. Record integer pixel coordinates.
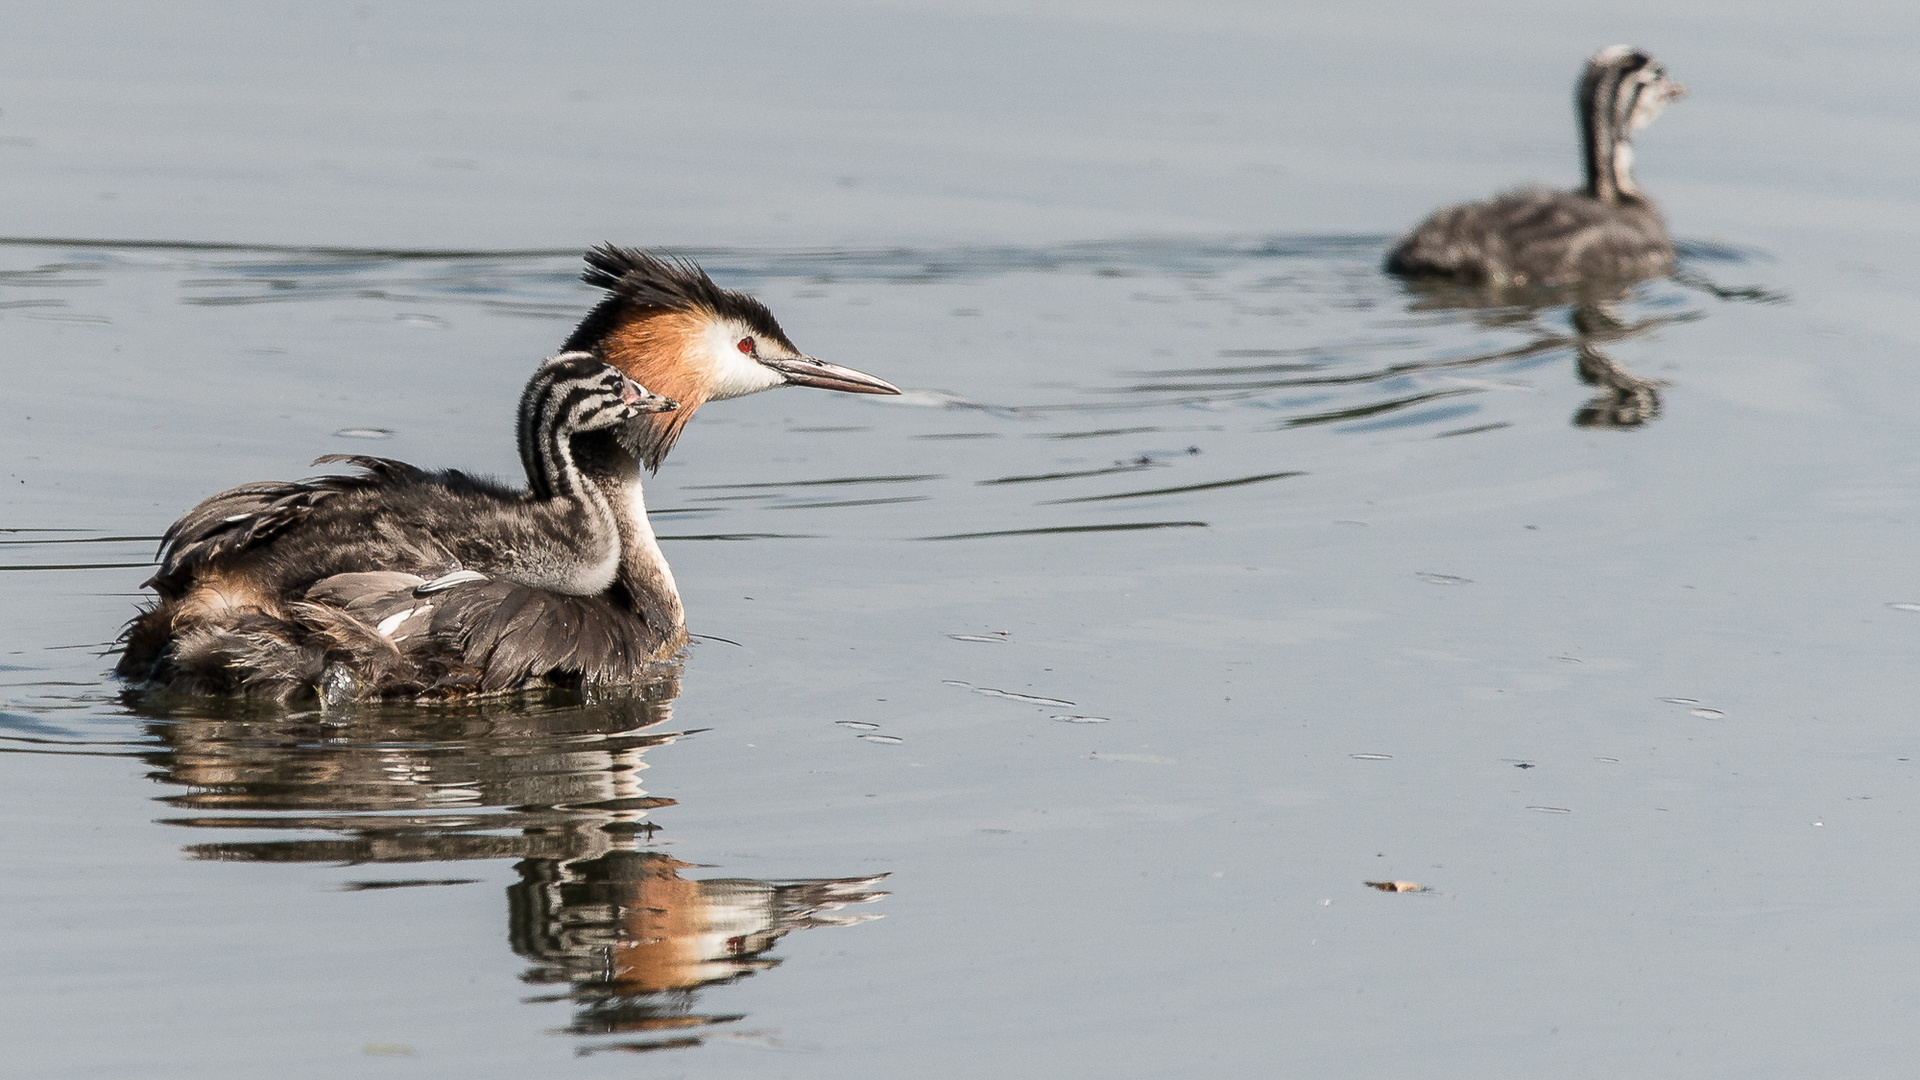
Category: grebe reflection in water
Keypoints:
(409, 797)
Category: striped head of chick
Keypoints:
(577, 392)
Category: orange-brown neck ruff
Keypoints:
(664, 352)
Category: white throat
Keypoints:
(1623, 168)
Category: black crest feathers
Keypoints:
(637, 281)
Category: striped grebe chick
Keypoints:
(1608, 230)
(405, 583)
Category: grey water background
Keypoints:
(1203, 574)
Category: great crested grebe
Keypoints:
(1608, 230)
(403, 583)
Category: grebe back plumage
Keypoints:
(1608, 230)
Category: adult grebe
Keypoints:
(1608, 230)
(402, 583)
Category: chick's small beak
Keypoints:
(640, 399)
(806, 371)
(1676, 91)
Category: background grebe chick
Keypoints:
(1608, 230)
(403, 583)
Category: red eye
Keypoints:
(746, 345)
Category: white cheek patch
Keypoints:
(1653, 100)
(735, 374)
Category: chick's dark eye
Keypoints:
(746, 345)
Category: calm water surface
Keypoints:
(1051, 719)
(1191, 586)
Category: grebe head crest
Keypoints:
(665, 323)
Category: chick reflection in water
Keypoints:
(556, 788)
(1625, 400)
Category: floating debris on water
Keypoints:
(1371, 757)
(998, 637)
(858, 725)
(364, 433)
(1551, 809)
(1904, 606)
(1397, 886)
(1441, 579)
(1681, 700)
(883, 738)
(1707, 714)
(1069, 718)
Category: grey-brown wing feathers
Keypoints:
(248, 516)
(514, 634)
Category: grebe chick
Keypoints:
(404, 583)
(259, 585)
(1608, 230)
